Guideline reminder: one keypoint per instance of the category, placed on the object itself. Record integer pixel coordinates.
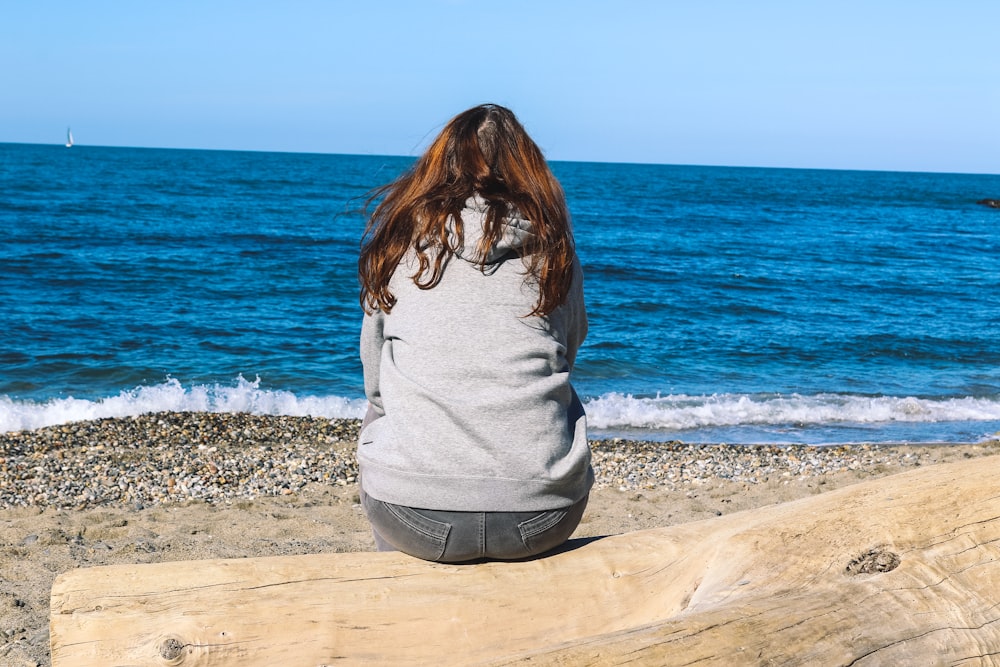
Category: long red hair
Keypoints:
(483, 151)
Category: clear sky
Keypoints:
(908, 85)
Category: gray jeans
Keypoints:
(455, 537)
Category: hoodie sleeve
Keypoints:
(577, 324)
(372, 339)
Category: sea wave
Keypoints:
(682, 412)
(716, 417)
(171, 396)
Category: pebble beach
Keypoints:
(137, 462)
(180, 486)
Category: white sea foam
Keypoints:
(680, 412)
(715, 416)
(171, 395)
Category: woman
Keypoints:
(475, 443)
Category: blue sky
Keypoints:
(898, 85)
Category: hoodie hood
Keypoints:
(516, 232)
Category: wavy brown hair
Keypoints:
(483, 151)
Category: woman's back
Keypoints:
(477, 395)
(475, 444)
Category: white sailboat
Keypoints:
(69, 138)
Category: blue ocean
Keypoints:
(736, 305)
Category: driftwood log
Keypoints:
(904, 570)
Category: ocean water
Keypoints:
(735, 305)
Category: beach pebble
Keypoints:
(171, 457)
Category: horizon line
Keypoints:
(76, 144)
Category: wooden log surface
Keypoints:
(903, 570)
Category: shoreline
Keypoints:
(247, 486)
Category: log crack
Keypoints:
(946, 628)
(292, 582)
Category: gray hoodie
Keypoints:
(473, 403)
